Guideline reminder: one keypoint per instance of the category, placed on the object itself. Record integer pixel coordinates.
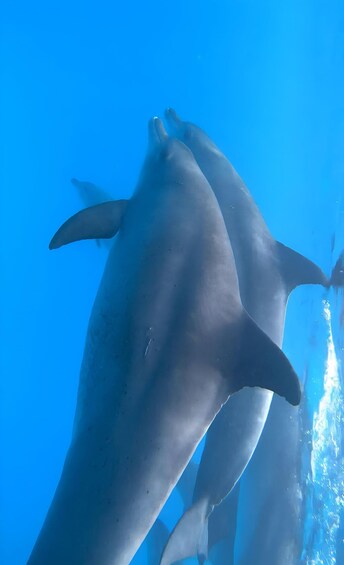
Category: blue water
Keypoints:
(79, 81)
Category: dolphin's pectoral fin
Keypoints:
(262, 363)
(97, 222)
(189, 537)
(298, 270)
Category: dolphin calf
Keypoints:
(267, 272)
(168, 342)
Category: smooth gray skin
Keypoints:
(267, 272)
(168, 342)
(222, 528)
(91, 195)
(159, 534)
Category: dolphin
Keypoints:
(221, 532)
(267, 271)
(168, 342)
(222, 529)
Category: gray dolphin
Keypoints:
(267, 272)
(168, 341)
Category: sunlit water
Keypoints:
(324, 481)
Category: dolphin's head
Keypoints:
(177, 126)
(190, 134)
(161, 146)
(157, 135)
(167, 157)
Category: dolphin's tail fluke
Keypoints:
(189, 537)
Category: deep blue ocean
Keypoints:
(79, 82)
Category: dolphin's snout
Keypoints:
(157, 132)
(172, 116)
(177, 127)
(173, 120)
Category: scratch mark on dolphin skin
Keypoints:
(149, 332)
(148, 344)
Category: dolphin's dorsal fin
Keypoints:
(261, 363)
(298, 270)
(97, 222)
